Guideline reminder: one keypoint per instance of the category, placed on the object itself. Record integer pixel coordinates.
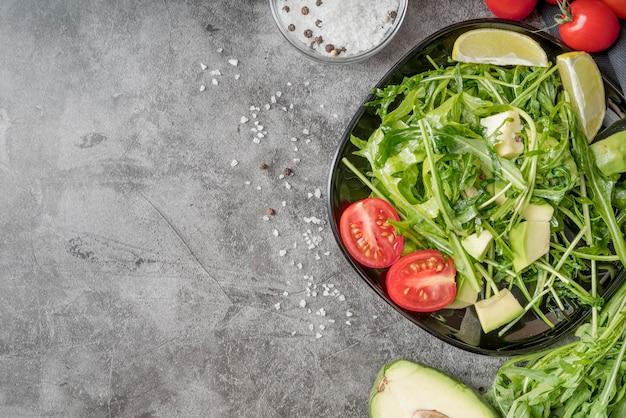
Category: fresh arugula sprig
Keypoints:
(430, 159)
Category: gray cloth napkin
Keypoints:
(611, 62)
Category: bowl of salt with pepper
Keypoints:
(338, 31)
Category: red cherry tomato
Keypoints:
(511, 9)
(589, 25)
(422, 281)
(618, 7)
(555, 2)
(367, 235)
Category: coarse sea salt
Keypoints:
(334, 27)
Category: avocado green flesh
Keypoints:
(610, 153)
(465, 295)
(403, 387)
(497, 310)
(530, 240)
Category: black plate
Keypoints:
(457, 327)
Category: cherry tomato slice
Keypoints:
(423, 281)
(367, 235)
(592, 26)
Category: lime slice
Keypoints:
(583, 82)
(498, 47)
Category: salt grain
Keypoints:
(233, 62)
(344, 27)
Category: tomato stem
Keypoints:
(566, 14)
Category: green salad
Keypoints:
(489, 166)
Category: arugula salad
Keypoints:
(489, 166)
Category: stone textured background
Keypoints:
(139, 273)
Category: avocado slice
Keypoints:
(477, 244)
(530, 240)
(503, 129)
(465, 294)
(610, 153)
(538, 212)
(497, 310)
(406, 389)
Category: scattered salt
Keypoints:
(233, 62)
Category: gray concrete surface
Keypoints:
(139, 273)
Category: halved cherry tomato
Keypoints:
(511, 9)
(618, 7)
(589, 25)
(423, 281)
(367, 235)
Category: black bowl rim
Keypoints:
(441, 33)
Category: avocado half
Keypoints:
(405, 389)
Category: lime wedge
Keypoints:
(498, 47)
(583, 82)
